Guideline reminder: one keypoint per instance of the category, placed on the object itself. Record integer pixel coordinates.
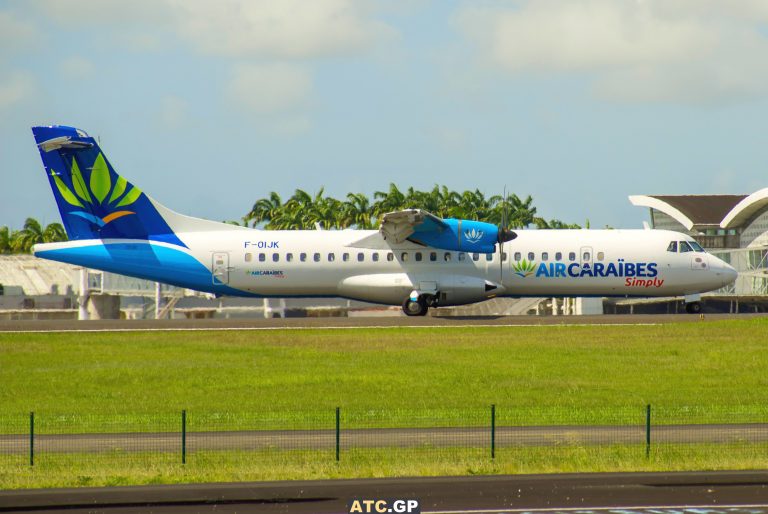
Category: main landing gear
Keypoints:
(420, 305)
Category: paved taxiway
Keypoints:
(474, 437)
(356, 322)
(441, 494)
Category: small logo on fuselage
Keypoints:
(473, 235)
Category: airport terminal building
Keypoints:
(733, 227)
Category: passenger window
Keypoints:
(531, 256)
(572, 256)
(316, 257)
(262, 257)
(248, 257)
(685, 247)
(489, 257)
(544, 256)
(331, 257)
(504, 256)
(672, 247)
(418, 256)
(390, 256)
(462, 256)
(275, 257)
(585, 256)
(696, 246)
(375, 256)
(559, 256)
(289, 257)
(447, 257)
(404, 256)
(433, 256)
(475, 257)
(345, 257)
(360, 257)
(518, 256)
(303, 257)
(600, 256)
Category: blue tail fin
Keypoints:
(94, 201)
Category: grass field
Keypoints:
(708, 363)
(535, 375)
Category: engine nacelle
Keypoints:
(461, 235)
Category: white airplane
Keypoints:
(415, 259)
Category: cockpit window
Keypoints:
(672, 247)
(696, 246)
(685, 247)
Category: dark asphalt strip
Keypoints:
(457, 494)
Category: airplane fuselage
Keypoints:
(320, 263)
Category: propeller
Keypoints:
(505, 234)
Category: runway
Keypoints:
(356, 322)
(655, 493)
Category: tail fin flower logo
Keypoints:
(99, 194)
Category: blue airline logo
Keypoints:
(473, 235)
(597, 269)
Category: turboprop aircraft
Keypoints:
(415, 259)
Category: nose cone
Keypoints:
(725, 272)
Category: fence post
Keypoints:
(184, 436)
(493, 430)
(648, 431)
(338, 432)
(31, 438)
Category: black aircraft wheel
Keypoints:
(417, 308)
(693, 307)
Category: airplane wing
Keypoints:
(397, 227)
(400, 225)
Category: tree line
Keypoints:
(305, 211)
(33, 232)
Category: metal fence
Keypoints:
(32, 439)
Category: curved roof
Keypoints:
(690, 210)
(746, 208)
(660, 205)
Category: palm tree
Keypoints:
(5, 240)
(388, 201)
(358, 211)
(264, 210)
(54, 233)
(31, 234)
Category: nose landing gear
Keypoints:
(693, 307)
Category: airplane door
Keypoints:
(220, 267)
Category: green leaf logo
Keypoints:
(524, 268)
(79, 183)
(66, 194)
(101, 182)
(94, 192)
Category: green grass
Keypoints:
(702, 372)
(708, 363)
(88, 470)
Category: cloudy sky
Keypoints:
(210, 105)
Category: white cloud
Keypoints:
(76, 67)
(173, 111)
(283, 29)
(15, 88)
(634, 50)
(234, 28)
(16, 33)
(270, 88)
